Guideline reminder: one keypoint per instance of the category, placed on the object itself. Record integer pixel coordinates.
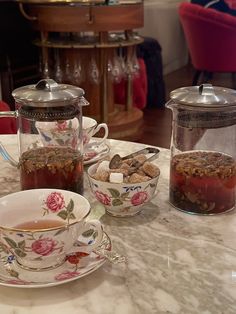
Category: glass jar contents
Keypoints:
(52, 167)
(203, 182)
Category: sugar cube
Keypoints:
(116, 177)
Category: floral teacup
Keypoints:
(41, 226)
(122, 199)
(59, 133)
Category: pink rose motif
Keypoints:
(17, 282)
(62, 125)
(86, 139)
(43, 246)
(66, 275)
(89, 155)
(139, 198)
(55, 202)
(103, 198)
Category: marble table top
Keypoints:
(177, 263)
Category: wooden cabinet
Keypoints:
(63, 29)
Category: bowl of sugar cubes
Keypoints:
(123, 185)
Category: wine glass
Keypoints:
(135, 67)
(110, 68)
(68, 75)
(117, 69)
(77, 72)
(58, 71)
(93, 72)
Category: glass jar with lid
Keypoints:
(49, 119)
(203, 149)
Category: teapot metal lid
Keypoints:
(48, 93)
(204, 106)
(205, 96)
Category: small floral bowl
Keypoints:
(122, 199)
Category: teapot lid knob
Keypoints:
(46, 84)
(206, 89)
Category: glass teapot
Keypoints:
(203, 149)
(49, 121)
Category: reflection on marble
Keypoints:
(177, 263)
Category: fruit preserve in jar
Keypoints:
(203, 182)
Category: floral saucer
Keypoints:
(76, 266)
(95, 152)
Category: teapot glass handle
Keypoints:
(8, 114)
(6, 156)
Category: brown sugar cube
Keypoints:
(136, 178)
(141, 158)
(129, 161)
(102, 175)
(124, 165)
(151, 169)
(141, 172)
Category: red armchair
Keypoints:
(7, 125)
(211, 40)
(231, 3)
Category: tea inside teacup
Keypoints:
(40, 224)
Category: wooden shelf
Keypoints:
(76, 45)
(54, 21)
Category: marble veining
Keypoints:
(177, 263)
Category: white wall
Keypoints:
(161, 22)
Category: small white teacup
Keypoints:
(41, 226)
(90, 128)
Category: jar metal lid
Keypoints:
(48, 93)
(205, 96)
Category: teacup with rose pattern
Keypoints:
(41, 226)
(59, 133)
(122, 199)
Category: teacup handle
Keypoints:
(98, 128)
(92, 226)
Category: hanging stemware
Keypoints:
(93, 72)
(135, 67)
(117, 70)
(45, 72)
(110, 69)
(123, 66)
(68, 74)
(58, 71)
(77, 72)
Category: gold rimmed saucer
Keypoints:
(95, 153)
(76, 266)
